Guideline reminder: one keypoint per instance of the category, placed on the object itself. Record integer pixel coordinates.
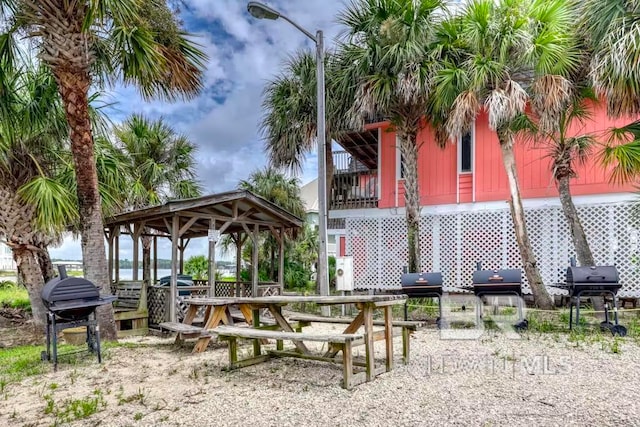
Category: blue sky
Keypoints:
(244, 53)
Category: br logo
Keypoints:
(464, 316)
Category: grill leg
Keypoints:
(54, 338)
(97, 338)
(406, 310)
(615, 309)
(570, 313)
(578, 311)
(49, 336)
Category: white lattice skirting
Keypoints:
(453, 242)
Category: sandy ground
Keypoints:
(490, 381)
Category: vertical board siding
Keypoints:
(437, 168)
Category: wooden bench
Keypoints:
(342, 341)
(408, 328)
(185, 331)
(130, 309)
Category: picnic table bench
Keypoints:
(408, 327)
(342, 341)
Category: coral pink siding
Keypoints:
(438, 170)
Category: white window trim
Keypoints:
(473, 151)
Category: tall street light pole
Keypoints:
(261, 11)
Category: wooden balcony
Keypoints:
(354, 185)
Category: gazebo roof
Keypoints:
(238, 209)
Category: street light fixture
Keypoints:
(261, 11)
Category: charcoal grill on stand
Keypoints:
(496, 283)
(593, 281)
(422, 285)
(71, 302)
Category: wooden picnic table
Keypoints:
(218, 311)
(366, 304)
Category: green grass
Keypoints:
(18, 363)
(13, 296)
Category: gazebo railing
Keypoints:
(158, 296)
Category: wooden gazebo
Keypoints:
(241, 213)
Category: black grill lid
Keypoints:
(593, 274)
(70, 288)
(421, 279)
(491, 277)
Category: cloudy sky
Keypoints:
(223, 122)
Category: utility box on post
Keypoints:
(344, 273)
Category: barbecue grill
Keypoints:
(593, 281)
(499, 282)
(422, 285)
(71, 302)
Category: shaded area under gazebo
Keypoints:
(241, 214)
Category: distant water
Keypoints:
(127, 273)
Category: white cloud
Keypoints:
(244, 52)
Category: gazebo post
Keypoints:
(136, 238)
(238, 241)
(110, 236)
(211, 273)
(281, 261)
(175, 226)
(181, 248)
(254, 261)
(155, 259)
(117, 256)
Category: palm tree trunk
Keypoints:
(578, 236)
(46, 266)
(73, 85)
(540, 294)
(329, 172)
(29, 272)
(409, 151)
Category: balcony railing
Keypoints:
(354, 186)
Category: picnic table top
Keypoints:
(284, 300)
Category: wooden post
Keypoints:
(254, 261)
(212, 257)
(155, 259)
(238, 261)
(173, 295)
(117, 256)
(181, 247)
(135, 236)
(110, 236)
(281, 262)
(388, 336)
(367, 309)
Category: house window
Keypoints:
(465, 152)
(400, 174)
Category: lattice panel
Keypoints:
(394, 248)
(156, 297)
(454, 243)
(481, 240)
(224, 289)
(364, 238)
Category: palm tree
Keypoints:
(289, 122)
(160, 167)
(611, 31)
(274, 186)
(36, 175)
(31, 117)
(386, 59)
(512, 46)
(87, 42)
(566, 152)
